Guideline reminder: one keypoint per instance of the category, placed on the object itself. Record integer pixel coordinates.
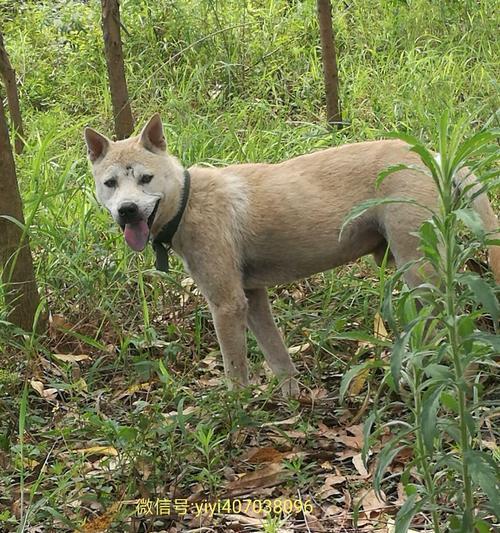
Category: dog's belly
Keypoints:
(272, 261)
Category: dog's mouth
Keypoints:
(136, 233)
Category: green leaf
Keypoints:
(485, 474)
(482, 527)
(435, 370)
(430, 241)
(355, 371)
(385, 458)
(487, 338)
(430, 408)
(465, 329)
(362, 336)
(396, 168)
(408, 510)
(398, 352)
(418, 147)
(367, 428)
(483, 292)
(472, 220)
(449, 401)
(363, 207)
(18, 223)
(470, 147)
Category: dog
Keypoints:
(245, 227)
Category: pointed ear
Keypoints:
(97, 144)
(152, 137)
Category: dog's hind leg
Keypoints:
(404, 244)
(261, 322)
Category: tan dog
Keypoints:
(247, 227)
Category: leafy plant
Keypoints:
(441, 356)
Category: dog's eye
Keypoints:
(146, 178)
(111, 183)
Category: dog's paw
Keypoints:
(290, 388)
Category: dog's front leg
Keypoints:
(261, 322)
(230, 316)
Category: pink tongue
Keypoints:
(136, 235)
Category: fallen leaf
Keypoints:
(391, 528)
(313, 523)
(38, 386)
(245, 520)
(99, 450)
(287, 422)
(263, 455)
(265, 477)
(59, 322)
(71, 358)
(379, 330)
(357, 461)
(358, 382)
(371, 504)
(101, 523)
(48, 394)
(136, 387)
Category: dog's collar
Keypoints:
(163, 241)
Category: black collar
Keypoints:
(163, 241)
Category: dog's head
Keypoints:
(136, 179)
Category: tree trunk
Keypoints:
(330, 71)
(124, 122)
(16, 263)
(9, 78)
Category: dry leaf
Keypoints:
(38, 386)
(263, 455)
(371, 504)
(99, 450)
(391, 528)
(357, 461)
(59, 322)
(136, 387)
(101, 523)
(358, 382)
(287, 422)
(70, 358)
(265, 477)
(379, 330)
(244, 520)
(313, 523)
(47, 394)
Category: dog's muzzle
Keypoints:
(136, 229)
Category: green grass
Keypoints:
(234, 81)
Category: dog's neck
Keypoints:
(162, 240)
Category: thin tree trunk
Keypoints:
(330, 71)
(16, 262)
(124, 122)
(9, 78)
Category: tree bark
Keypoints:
(124, 122)
(9, 78)
(329, 57)
(18, 277)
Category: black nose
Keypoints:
(128, 211)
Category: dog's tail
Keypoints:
(469, 183)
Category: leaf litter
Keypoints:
(304, 453)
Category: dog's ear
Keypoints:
(97, 144)
(152, 137)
